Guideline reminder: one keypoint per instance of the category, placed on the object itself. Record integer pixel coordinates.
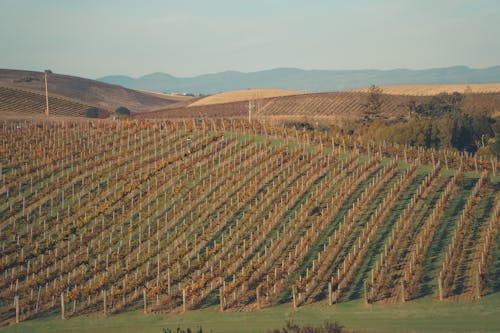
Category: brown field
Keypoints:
(327, 107)
(244, 95)
(435, 89)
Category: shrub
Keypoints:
(92, 112)
(328, 327)
(122, 112)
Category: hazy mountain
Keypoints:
(306, 80)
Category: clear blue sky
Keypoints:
(93, 38)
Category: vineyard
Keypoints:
(18, 101)
(329, 107)
(109, 216)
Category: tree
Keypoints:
(411, 106)
(441, 105)
(122, 112)
(373, 104)
(92, 112)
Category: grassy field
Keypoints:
(423, 315)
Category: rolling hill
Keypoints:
(19, 102)
(85, 91)
(332, 107)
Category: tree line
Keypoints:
(457, 121)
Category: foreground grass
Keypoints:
(423, 315)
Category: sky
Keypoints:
(94, 38)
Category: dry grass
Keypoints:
(244, 95)
(434, 89)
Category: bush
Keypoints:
(328, 327)
(92, 112)
(122, 112)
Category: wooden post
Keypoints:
(145, 301)
(62, 306)
(168, 281)
(258, 297)
(250, 106)
(104, 305)
(16, 304)
(402, 291)
(330, 293)
(221, 300)
(38, 300)
(184, 300)
(294, 297)
(440, 287)
(478, 281)
(366, 293)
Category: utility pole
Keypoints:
(47, 71)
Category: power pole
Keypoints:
(47, 71)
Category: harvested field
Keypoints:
(435, 89)
(244, 95)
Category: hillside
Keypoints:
(335, 107)
(85, 91)
(304, 80)
(19, 102)
(326, 107)
(111, 216)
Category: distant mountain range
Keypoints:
(305, 80)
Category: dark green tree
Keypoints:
(122, 112)
(373, 104)
(92, 112)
